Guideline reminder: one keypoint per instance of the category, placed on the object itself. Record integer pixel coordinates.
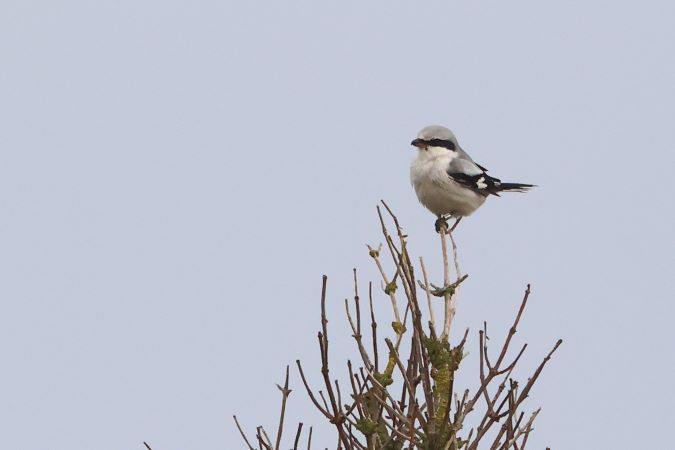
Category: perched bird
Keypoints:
(447, 181)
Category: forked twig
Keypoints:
(285, 392)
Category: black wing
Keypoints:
(480, 183)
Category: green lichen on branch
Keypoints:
(393, 444)
(444, 362)
(447, 290)
(398, 327)
(376, 433)
(367, 426)
(373, 431)
(385, 378)
(390, 288)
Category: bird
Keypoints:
(447, 181)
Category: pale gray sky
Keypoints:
(176, 176)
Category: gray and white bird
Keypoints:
(447, 181)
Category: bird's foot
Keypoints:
(441, 225)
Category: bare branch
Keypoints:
(427, 411)
(240, 432)
(389, 286)
(263, 439)
(373, 325)
(526, 429)
(285, 392)
(297, 436)
(310, 393)
(357, 334)
(426, 290)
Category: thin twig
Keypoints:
(357, 334)
(240, 432)
(389, 288)
(285, 392)
(526, 429)
(373, 325)
(495, 369)
(310, 393)
(263, 439)
(325, 403)
(447, 317)
(399, 364)
(432, 315)
(455, 293)
(267, 438)
(395, 253)
(297, 436)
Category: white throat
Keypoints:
(436, 153)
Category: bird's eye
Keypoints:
(442, 143)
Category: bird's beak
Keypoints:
(419, 143)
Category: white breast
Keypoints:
(436, 190)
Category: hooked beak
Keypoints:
(419, 143)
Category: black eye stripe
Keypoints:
(440, 143)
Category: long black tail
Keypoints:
(514, 187)
(486, 185)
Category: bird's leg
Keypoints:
(441, 224)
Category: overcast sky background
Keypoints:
(176, 176)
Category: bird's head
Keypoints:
(436, 140)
